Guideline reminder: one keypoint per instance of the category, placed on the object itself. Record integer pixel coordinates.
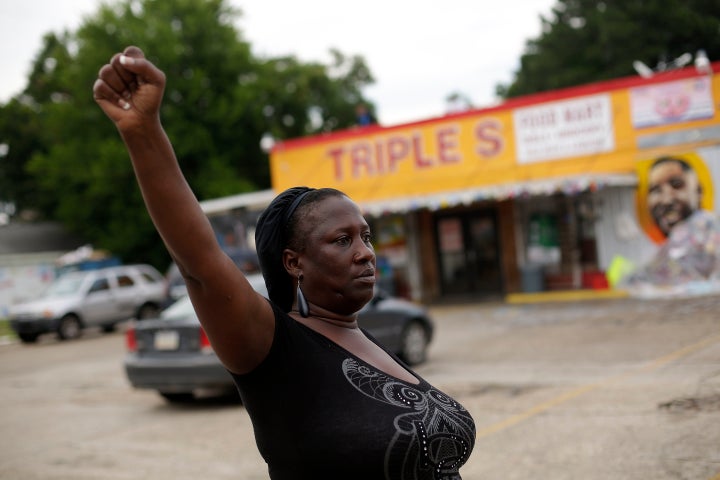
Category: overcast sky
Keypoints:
(419, 51)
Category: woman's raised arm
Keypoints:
(238, 321)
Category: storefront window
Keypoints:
(469, 257)
(543, 244)
(391, 250)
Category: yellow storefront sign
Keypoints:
(576, 132)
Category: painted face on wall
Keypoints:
(673, 193)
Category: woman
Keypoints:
(326, 401)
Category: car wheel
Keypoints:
(414, 343)
(184, 397)
(28, 337)
(108, 328)
(69, 327)
(148, 310)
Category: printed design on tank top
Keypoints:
(433, 438)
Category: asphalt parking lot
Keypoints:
(619, 389)
(610, 389)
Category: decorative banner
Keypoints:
(671, 102)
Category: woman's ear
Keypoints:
(291, 262)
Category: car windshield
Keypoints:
(66, 285)
(180, 309)
(258, 283)
(183, 306)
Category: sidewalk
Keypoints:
(685, 290)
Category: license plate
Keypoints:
(167, 340)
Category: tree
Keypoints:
(584, 41)
(219, 102)
(19, 133)
(21, 130)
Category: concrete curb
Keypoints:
(565, 296)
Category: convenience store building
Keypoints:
(538, 193)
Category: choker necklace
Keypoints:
(331, 321)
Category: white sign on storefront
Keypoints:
(564, 129)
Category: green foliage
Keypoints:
(6, 330)
(585, 41)
(19, 134)
(67, 161)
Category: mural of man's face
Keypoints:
(673, 194)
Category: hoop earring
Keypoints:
(303, 308)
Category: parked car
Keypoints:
(245, 259)
(173, 356)
(80, 299)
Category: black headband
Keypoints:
(270, 242)
(293, 206)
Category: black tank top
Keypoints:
(319, 412)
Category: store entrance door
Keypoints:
(469, 254)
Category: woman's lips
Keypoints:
(367, 276)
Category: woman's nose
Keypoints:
(364, 253)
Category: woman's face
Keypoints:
(338, 263)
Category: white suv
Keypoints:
(82, 299)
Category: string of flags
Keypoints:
(563, 185)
